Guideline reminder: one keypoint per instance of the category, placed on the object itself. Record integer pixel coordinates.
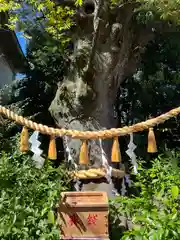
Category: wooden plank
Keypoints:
(84, 215)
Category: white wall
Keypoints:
(6, 73)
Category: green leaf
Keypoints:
(79, 2)
(175, 191)
(51, 218)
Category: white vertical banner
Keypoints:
(123, 189)
(70, 160)
(108, 168)
(35, 143)
(131, 154)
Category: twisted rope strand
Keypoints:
(110, 133)
(96, 173)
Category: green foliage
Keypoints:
(47, 56)
(48, 27)
(9, 144)
(78, 2)
(28, 197)
(154, 90)
(40, 14)
(155, 212)
(47, 15)
(155, 87)
(56, 19)
(153, 10)
(166, 9)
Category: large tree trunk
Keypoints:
(107, 48)
(77, 106)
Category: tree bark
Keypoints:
(105, 52)
(76, 106)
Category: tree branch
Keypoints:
(99, 23)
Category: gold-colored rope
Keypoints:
(113, 132)
(96, 173)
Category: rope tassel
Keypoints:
(52, 153)
(24, 143)
(116, 154)
(83, 156)
(152, 147)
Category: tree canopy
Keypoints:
(53, 22)
(108, 43)
(55, 16)
(50, 25)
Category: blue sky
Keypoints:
(22, 41)
(23, 45)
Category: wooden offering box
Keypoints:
(84, 215)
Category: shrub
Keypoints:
(28, 197)
(155, 212)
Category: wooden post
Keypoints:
(84, 215)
